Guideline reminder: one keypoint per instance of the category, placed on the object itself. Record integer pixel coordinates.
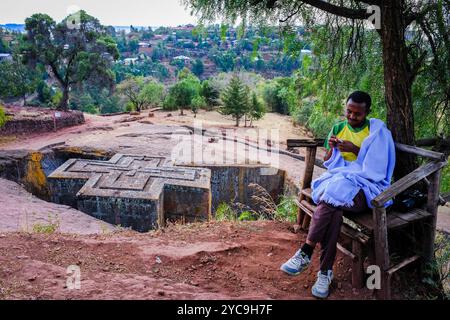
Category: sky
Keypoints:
(109, 12)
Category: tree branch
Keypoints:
(327, 7)
(338, 10)
(417, 65)
(292, 14)
(417, 16)
(56, 73)
(371, 2)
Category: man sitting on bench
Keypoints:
(360, 160)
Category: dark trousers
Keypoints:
(326, 225)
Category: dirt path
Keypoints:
(183, 262)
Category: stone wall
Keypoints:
(23, 125)
(231, 183)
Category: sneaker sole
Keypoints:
(291, 273)
(318, 295)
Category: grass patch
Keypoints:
(263, 207)
(48, 228)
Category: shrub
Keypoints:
(51, 227)
(3, 117)
(437, 274)
(224, 212)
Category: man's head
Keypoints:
(357, 108)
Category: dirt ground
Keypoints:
(214, 260)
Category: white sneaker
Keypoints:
(296, 264)
(321, 289)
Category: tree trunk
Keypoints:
(398, 83)
(237, 121)
(63, 105)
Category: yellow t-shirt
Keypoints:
(344, 131)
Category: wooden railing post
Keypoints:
(432, 207)
(303, 219)
(381, 250)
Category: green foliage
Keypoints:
(111, 104)
(169, 103)
(17, 80)
(51, 227)
(141, 92)
(286, 210)
(4, 47)
(437, 273)
(57, 97)
(3, 117)
(224, 212)
(44, 92)
(153, 93)
(235, 99)
(74, 54)
(198, 102)
(209, 93)
(198, 67)
(256, 108)
(247, 216)
(184, 91)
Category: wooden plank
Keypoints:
(381, 249)
(357, 265)
(364, 219)
(402, 264)
(432, 207)
(420, 152)
(413, 215)
(309, 206)
(307, 192)
(442, 200)
(394, 222)
(355, 234)
(345, 251)
(298, 143)
(300, 212)
(309, 167)
(394, 219)
(406, 182)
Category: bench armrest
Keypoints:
(406, 182)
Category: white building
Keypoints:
(6, 57)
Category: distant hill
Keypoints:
(21, 27)
(13, 27)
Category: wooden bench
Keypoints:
(366, 234)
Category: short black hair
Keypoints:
(361, 97)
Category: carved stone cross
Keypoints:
(133, 191)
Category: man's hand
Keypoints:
(347, 146)
(333, 141)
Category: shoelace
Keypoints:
(323, 282)
(298, 259)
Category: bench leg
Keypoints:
(306, 222)
(357, 265)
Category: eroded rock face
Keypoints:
(140, 192)
(23, 212)
(38, 120)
